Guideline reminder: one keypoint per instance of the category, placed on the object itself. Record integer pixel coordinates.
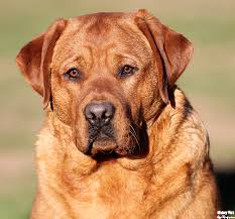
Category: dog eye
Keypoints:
(72, 74)
(127, 70)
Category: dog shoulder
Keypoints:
(181, 128)
(190, 129)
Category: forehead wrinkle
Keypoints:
(126, 39)
(83, 59)
(90, 60)
(99, 26)
(74, 33)
(107, 49)
(136, 41)
(137, 52)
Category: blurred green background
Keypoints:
(209, 82)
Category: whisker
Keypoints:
(134, 136)
(133, 133)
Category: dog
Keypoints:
(120, 139)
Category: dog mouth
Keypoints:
(102, 150)
(101, 141)
(104, 144)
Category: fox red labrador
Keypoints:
(120, 139)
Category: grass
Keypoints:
(17, 203)
(209, 80)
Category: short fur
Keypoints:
(161, 168)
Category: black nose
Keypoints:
(99, 113)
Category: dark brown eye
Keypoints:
(72, 74)
(127, 70)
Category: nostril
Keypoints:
(90, 115)
(99, 113)
(91, 118)
(106, 120)
(109, 112)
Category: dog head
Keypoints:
(107, 75)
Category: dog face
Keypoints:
(107, 74)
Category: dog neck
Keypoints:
(56, 144)
(57, 151)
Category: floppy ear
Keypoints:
(34, 60)
(172, 51)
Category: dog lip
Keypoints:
(88, 148)
(100, 146)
